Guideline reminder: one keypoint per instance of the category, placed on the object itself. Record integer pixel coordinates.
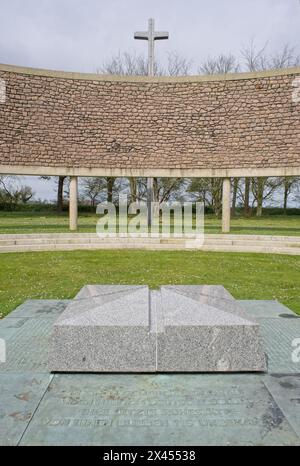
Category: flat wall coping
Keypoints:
(146, 79)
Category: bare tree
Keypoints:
(60, 180)
(91, 187)
(262, 189)
(60, 193)
(166, 189)
(235, 187)
(256, 59)
(208, 191)
(285, 58)
(110, 182)
(222, 64)
(12, 192)
(177, 65)
(25, 193)
(125, 63)
(289, 184)
(133, 189)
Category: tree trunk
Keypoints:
(259, 210)
(60, 194)
(133, 189)
(260, 196)
(110, 185)
(247, 197)
(234, 195)
(285, 199)
(155, 190)
(217, 196)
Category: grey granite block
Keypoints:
(105, 329)
(176, 329)
(203, 329)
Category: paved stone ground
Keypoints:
(39, 408)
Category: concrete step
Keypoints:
(261, 249)
(75, 241)
(85, 236)
(247, 242)
(96, 241)
(69, 247)
(132, 241)
(149, 246)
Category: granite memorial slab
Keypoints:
(159, 409)
(176, 329)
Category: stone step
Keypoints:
(65, 247)
(260, 249)
(75, 241)
(122, 241)
(149, 246)
(295, 239)
(96, 241)
(243, 242)
(253, 237)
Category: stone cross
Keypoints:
(150, 36)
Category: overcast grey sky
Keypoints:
(78, 35)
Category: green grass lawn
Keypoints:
(35, 222)
(58, 275)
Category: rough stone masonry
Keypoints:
(55, 119)
(176, 329)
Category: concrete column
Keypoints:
(226, 205)
(73, 207)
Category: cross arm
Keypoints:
(141, 35)
(161, 35)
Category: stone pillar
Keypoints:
(226, 205)
(73, 207)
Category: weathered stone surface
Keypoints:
(20, 395)
(159, 409)
(39, 308)
(105, 329)
(27, 344)
(279, 335)
(185, 123)
(260, 309)
(203, 329)
(285, 390)
(179, 328)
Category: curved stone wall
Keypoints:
(67, 123)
